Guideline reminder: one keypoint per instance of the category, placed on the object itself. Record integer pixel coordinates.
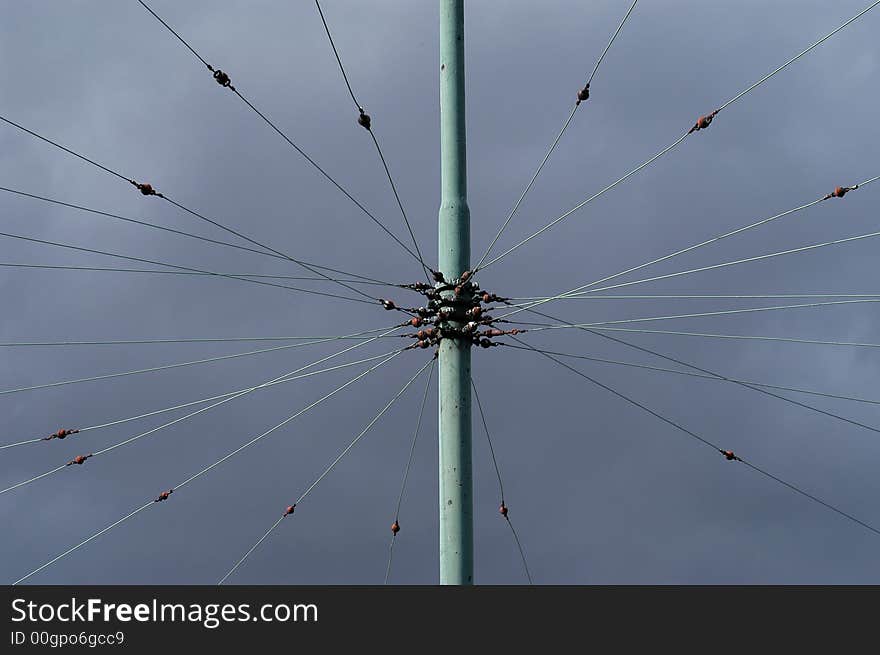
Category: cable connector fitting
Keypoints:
(395, 527)
(289, 510)
(79, 459)
(840, 192)
(583, 95)
(730, 456)
(703, 122)
(163, 496)
(364, 119)
(61, 434)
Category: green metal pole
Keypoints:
(456, 485)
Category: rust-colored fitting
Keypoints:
(289, 510)
(466, 275)
(503, 510)
(415, 321)
(475, 311)
(79, 459)
(495, 332)
(146, 189)
(163, 496)
(424, 344)
(729, 455)
(395, 527)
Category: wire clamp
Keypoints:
(840, 192)
(163, 496)
(289, 510)
(583, 95)
(79, 459)
(61, 434)
(703, 122)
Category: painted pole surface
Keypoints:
(456, 484)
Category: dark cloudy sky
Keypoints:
(599, 491)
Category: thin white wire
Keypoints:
(527, 300)
(328, 469)
(682, 138)
(715, 239)
(588, 200)
(799, 55)
(84, 542)
(555, 141)
(699, 314)
(712, 377)
(250, 550)
(206, 469)
(701, 269)
(286, 377)
(178, 365)
(741, 336)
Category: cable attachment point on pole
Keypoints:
(163, 496)
(364, 119)
(438, 277)
(289, 510)
(703, 122)
(583, 95)
(395, 527)
(61, 434)
(840, 192)
(730, 456)
(79, 459)
(146, 189)
(503, 509)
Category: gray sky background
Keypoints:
(599, 491)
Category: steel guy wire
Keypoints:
(660, 369)
(745, 385)
(147, 189)
(184, 268)
(329, 468)
(227, 244)
(856, 344)
(554, 144)
(364, 120)
(714, 239)
(169, 366)
(705, 441)
(208, 468)
(409, 460)
(286, 377)
(262, 276)
(503, 508)
(683, 137)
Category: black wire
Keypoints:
(262, 245)
(194, 213)
(183, 268)
(701, 439)
(179, 38)
(194, 236)
(522, 553)
(400, 205)
(412, 450)
(488, 438)
(67, 150)
(290, 141)
(717, 375)
(338, 60)
(376, 142)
